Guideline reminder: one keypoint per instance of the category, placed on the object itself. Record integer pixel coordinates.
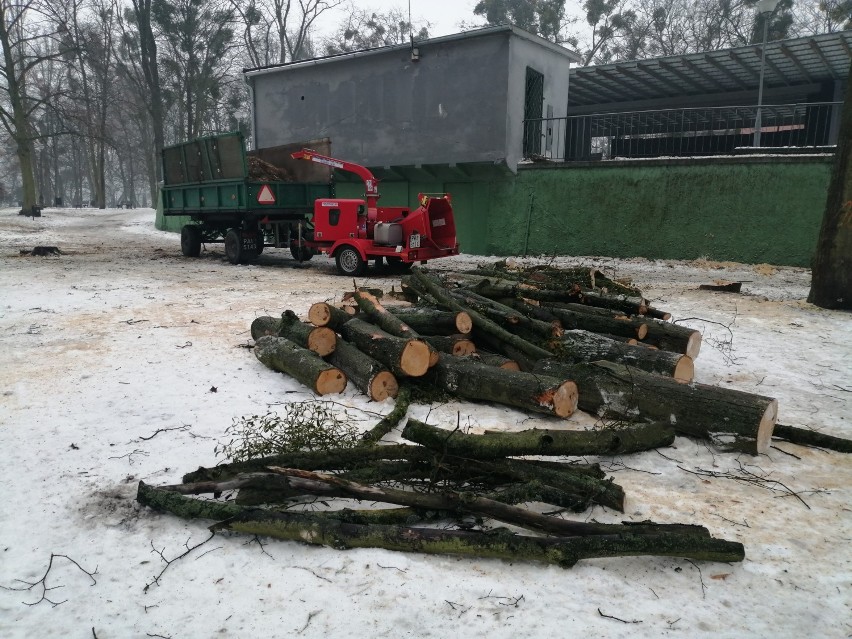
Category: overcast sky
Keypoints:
(444, 15)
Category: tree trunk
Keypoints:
(582, 346)
(324, 314)
(831, 279)
(574, 320)
(805, 437)
(370, 376)
(481, 323)
(474, 380)
(458, 345)
(320, 340)
(280, 354)
(732, 420)
(508, 317)
(378, 315)
(673, 338)
(430, 321)
(389, 422)
(404, 357)
(541, 442)
(317, 529)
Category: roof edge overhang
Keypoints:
(572, 56)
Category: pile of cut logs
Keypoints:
(546, 340)
(543, 340)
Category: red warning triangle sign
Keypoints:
(265, 195)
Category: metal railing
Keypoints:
(681, 132)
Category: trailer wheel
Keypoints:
(233, 246)
(301, 253)
(350, 262)
(190, 240)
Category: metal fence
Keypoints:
(682, 132)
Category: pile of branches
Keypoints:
(543, 340)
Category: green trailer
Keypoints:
(208, 180)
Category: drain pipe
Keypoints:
(529, 223)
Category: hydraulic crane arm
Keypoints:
(371, 184)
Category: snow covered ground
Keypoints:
(109, 358)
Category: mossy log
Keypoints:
(466, 378)
(496, 359)
(806, 437)
(389, 421)
(732, 420)
(458, 345)
(541, 442)
(370, 376)
(507, 317)
(324, 314)
(379, 315)
(420, 280)
(404, 357)
(321, 341)
(672, 337)
(280, 354)
(431, 321)
(583, 346)
(320, 529)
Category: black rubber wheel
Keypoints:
(190, 240)
(350, 262)
(233, 246)
(301, 253)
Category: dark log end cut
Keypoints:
(563, 398)
(464, 347)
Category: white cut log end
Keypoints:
(693, 345)
(331, 381)
(382, 386)
(684, 369)
(565, 399)
(766, 426)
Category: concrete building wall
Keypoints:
(383, 109)
(554, 67)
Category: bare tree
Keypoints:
(366, 30)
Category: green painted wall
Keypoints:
(740, 209)
(766, 211)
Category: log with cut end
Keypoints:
(431, 321)
(458, 345)
(466, 378)
(379, 315)
(731, 419)
(324, 314)
(582, 346)
(508, 317)
(673, 338)
(495, 445)
(495, 359)
(403, 357)
(576, 320)
(370, 376)
(280, 354)
(320, 340)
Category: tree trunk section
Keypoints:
(730, 419)
(582, 346)
(320, 340)
(429, 321)
(673, 338)
(380, 316)
(831, 279)
(404, 357)
(474, 380)
(574, 320)
(507, 317)
(370, 376)
(280, 354)
(324, 314)
(458, 345)
(541, 442)
(495, 359)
